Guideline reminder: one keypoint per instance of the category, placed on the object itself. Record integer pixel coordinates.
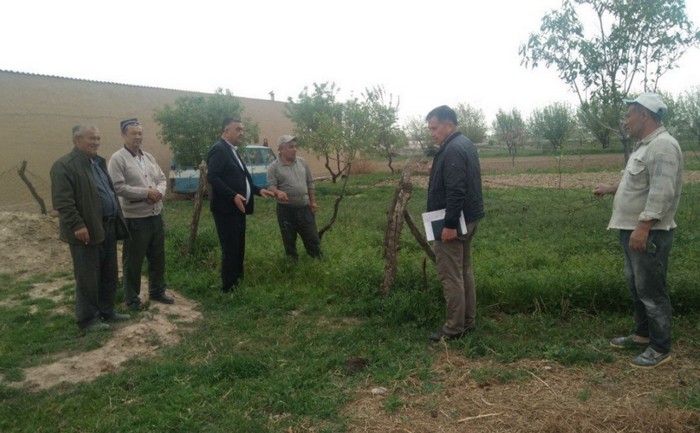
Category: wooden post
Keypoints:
(26, 181)
(194, 225)
(395, 218)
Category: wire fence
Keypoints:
(15, 196)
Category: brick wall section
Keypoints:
(37, 113)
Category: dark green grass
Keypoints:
(272, 356)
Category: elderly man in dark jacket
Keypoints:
(455, 185)
(90, 222)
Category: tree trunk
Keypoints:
(32, 190)
(392, 235)
(336, 206)
(419, 236)
(194, 225)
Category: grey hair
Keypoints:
(79, 130)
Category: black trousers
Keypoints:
(231, 231)
(96, 272)
(147, 241)
(298, 220)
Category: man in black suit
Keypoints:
(232, 191)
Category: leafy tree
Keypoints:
(384, 113)
(605, 48)
(472, 122)
(193, 123)
(689, 113)
(554, 123)
(597, 118)
(510, 129)
(318, 117)
(339, 131)
(416, 132)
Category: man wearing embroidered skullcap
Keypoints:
(140, 184)
(644, 207)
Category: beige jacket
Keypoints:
(133, 179)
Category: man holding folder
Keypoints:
(455, 185)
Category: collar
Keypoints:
(234, 147)
(447, 141)
(651, 137)
(132, 153)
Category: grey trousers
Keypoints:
(645, 273)
(454, 270)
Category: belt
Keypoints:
(109, 219)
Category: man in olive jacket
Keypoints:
(455, 185)
(90, 222)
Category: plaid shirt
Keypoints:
(650, 188)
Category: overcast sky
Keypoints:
(426, 53)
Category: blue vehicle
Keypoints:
(184, 180)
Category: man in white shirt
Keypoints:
(644, 207)
(140, 185)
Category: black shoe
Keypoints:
(96, 326)
(229, 289)
(134, 306)
(442, 335)
(163, 299)
(115, 317)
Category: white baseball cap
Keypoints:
(650, 101)
(285, 139)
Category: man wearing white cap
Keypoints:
(645, 203)
(291, 181)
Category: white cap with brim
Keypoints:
(650, 101)
(285, 139)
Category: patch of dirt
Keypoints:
(548, 398)
(29, 246)
(159, 325)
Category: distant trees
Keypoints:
(416, 132)
(555, 123)
(384, 114)
(597, 117)
(472, 122)
(689, 113)
(510, 129)
(193, 124)
(627, 45)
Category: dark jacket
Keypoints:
(227, 179)
(74, 196)
(455, 181)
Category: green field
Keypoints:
(273, 356)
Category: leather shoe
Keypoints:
(442, 335)
(163, 299)
(115, 317)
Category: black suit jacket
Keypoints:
(226, 178)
